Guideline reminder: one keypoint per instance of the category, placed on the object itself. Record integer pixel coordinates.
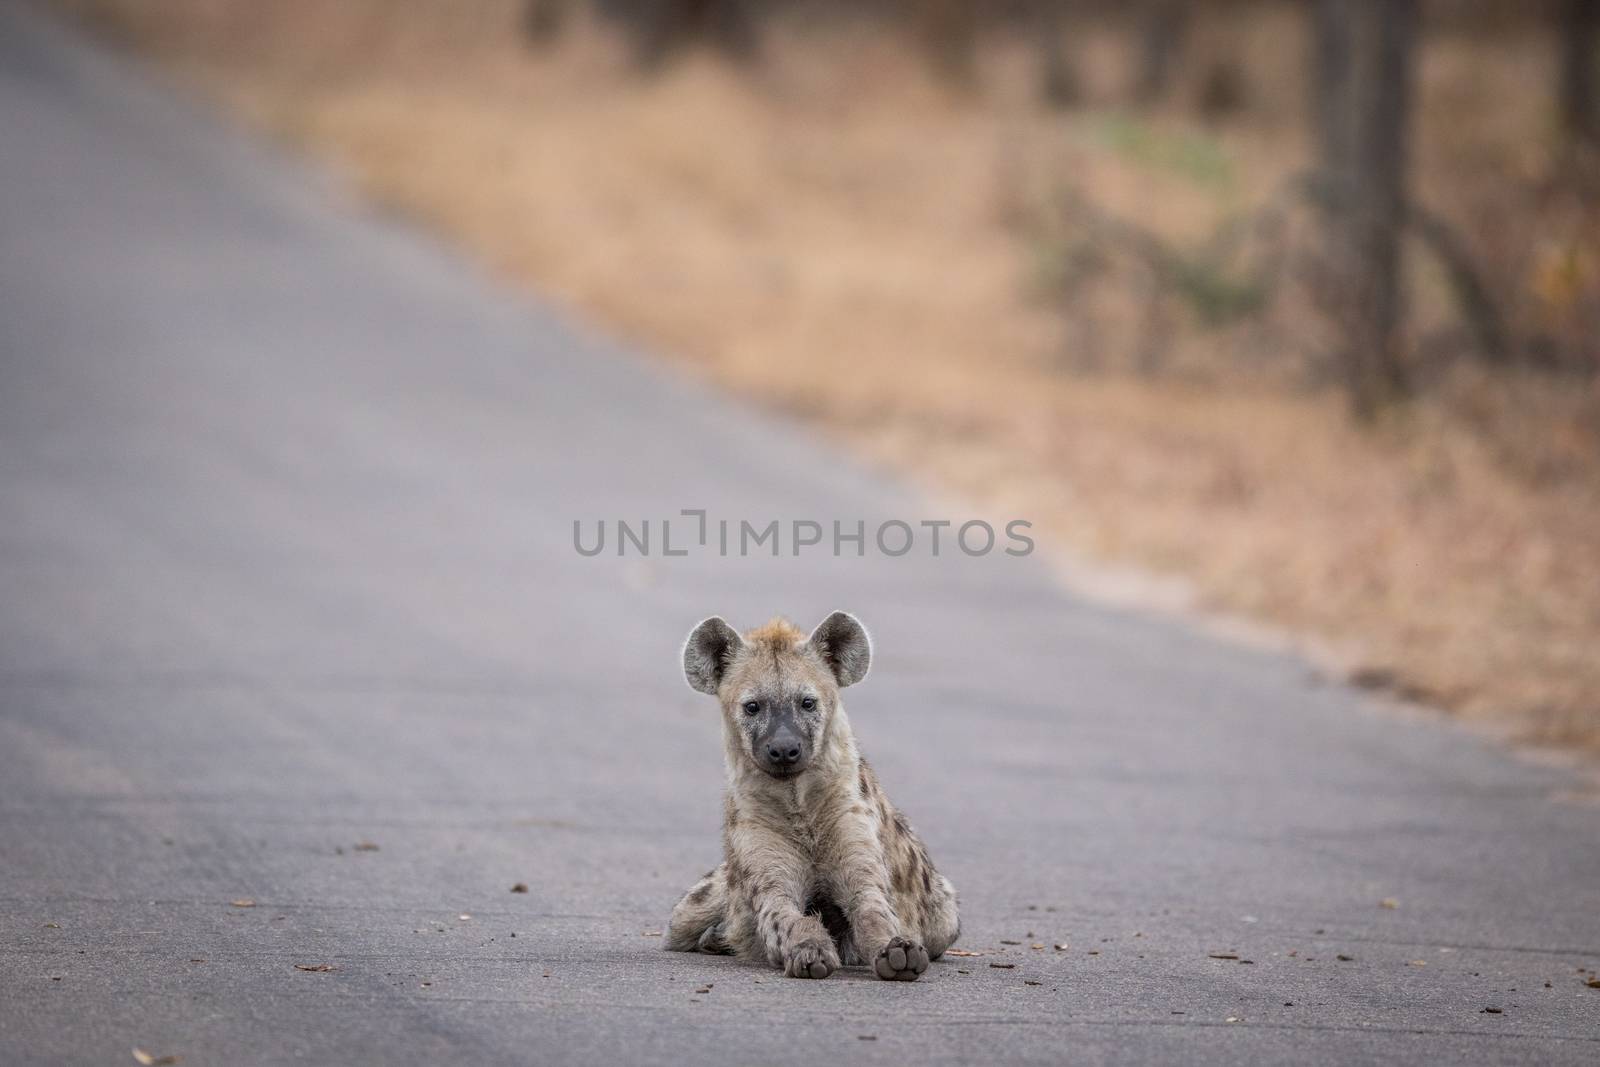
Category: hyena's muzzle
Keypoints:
(782, 748)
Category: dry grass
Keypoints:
(835, 237)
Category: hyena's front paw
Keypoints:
(901, 960)
(811, 958)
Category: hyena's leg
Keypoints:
(869, 866)
(893, 952)
(697, 920)
(872, 918)
(795, 941)
(863, 871)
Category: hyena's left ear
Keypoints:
(843, 644)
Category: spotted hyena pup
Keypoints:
(818, 867)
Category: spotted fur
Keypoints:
(819, 868)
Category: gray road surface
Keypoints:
(286, 495)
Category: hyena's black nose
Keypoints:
(783, 748)
(789, 753)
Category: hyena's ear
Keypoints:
(706, 655)
(843, 644)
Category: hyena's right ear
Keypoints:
(706, 655)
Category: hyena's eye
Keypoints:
(808, 703)
(751, 707)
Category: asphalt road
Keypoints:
(286, 569)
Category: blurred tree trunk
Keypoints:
(1166, 30)
(1331, 46)
(1365, 61)
(949, 31)
(544, 20)
(1059, 85)
(1580, 49)
(662, 27)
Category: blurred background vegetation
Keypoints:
(1295, 300)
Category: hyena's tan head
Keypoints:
(778, 688)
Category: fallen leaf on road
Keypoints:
(960, 952)
(649, 933)
(1491, 1011)
(703, 989)
(365, 846)
(1223, 955)
(1389, 902)
(1029, 981)
(866, 1037)
(1061, 946)
(243, 902)
(520, 887)
(1036, 946)
(1593, 983)
(317, 968)
(52, 926)
(153, 1061)
(1003, 941)
(1419, 963)
(1003, 966)
(1343, 958)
